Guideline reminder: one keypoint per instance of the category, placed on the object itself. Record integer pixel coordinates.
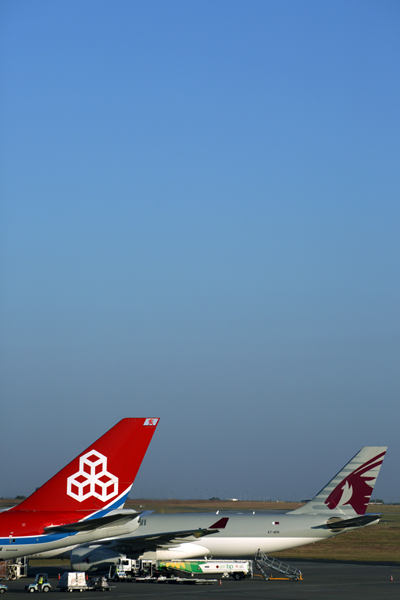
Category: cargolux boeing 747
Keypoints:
(341, 506)
(83, 501)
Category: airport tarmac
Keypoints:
(322, 581)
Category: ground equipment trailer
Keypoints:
(73, 582)
(76, 582)
(99, 584)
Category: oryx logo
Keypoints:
(355, 489)
(92, 479)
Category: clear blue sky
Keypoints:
(200, 222)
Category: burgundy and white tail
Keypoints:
(349, 492)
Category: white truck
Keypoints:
(127, 568)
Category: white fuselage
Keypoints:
(241, 537)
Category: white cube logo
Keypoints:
(92, 479)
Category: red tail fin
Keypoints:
(101, 476)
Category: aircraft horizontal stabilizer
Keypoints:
(359, 521)
(91, 524)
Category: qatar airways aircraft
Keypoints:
(340, 506)
(83, 501)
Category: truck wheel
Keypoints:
(237, 576)
(45, 589)
(2, 590)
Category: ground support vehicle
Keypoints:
(237, 569)
(14, 569)
(176, 580)
(41, 584)
(127, 569)
(124, 570)
(3, 588)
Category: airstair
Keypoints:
(268, 562)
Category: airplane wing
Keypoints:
(133, 546)
(145, 543)
(90, 524)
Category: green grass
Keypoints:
(377, 543)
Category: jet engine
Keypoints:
(94, 557)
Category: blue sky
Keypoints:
(200, 222)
